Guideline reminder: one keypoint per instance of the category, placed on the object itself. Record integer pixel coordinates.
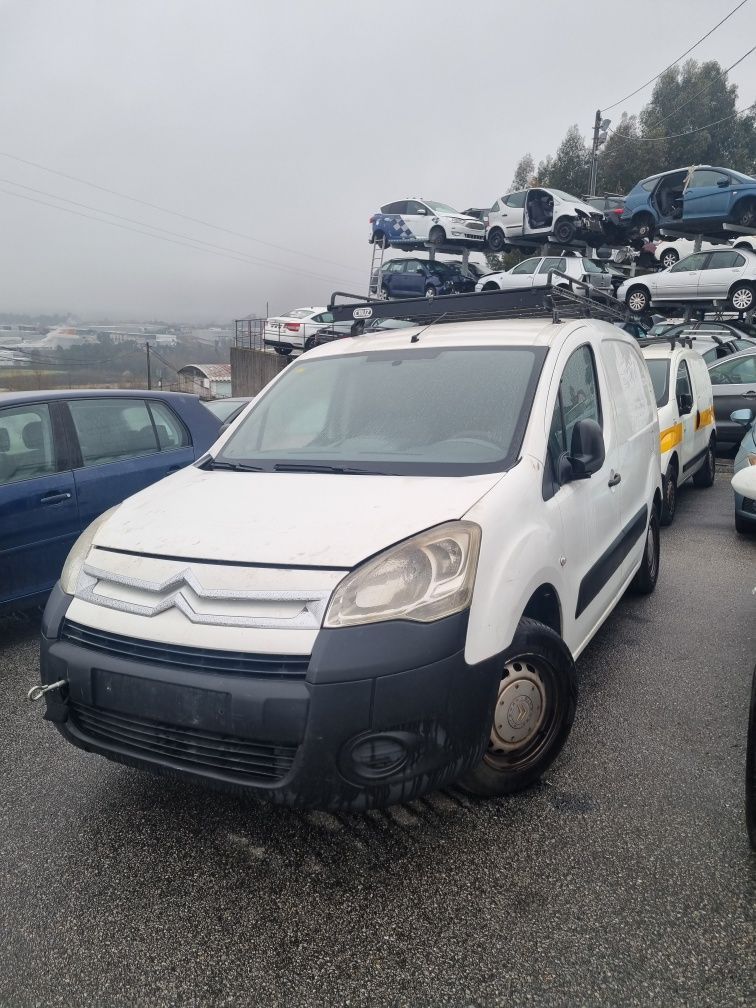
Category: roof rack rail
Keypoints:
(681, 339)
(569, 298)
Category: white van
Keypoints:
(378, 580)
(685, 401)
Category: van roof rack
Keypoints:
(573, 299)
(679, 339)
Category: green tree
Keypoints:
(524, 172)
(568, 169)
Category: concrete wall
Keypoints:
(251, 370)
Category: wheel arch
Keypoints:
(545, 606)
(745, 198)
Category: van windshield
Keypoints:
(414, 411)
(659, 371)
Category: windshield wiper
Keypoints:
(307, 467)
(231, 466)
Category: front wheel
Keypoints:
(647, 574)
(284, 351)
(741, 297)
(745, 213)
(704, 477)
(496, 240)
(491, 286)
(638, 300)
(533, 715)
(437, 236)
(564, 230)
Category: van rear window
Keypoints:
(659, 371)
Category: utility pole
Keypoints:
(149, 376)
(600, 133)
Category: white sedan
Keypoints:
(291, 331)
(720, 274)
(535, 273)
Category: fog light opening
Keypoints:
(373, 757)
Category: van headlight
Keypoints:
(75, 559)
(422, 579)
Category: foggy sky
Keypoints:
(290, 122)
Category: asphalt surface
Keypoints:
(624, 879)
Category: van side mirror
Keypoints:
(587, 452)
(742, 416)
(684, 403)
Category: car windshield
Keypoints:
(441, 207)
(223, 408)
(412, 411)
(566, 196)
(659, 371)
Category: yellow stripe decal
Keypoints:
(705, 417)
(670, 437)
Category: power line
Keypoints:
(608, 108)
(675, 136)
(256, 260)
(174, 213)
(147, 234)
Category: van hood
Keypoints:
(298, 519)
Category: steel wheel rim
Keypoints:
(742, 299)
(525, 716)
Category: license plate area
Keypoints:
(171, 703)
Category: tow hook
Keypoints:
(37, 692)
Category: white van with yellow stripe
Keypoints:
(686, 417)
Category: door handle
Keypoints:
(54, 498)
(615, 479)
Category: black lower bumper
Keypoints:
(380, 714)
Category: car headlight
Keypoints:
(422, 579)
(751, 460)
(75, 559)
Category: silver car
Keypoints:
(535, 273)
(717, 275)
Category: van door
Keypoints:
(123, 446)
(589, 508)
(637, 426)
(38, 514)
(703, 406)
(686, 408)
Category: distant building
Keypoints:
(208, 381)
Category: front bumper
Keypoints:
(379, 714)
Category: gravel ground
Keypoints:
(624, 879)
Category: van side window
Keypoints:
(682, 385)
(26, 443)
(577, 399)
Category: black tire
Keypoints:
(310, 343)
(638, 299)
(539, 662)
(491, 286)
(284, 351)
(647, 574)
(437, 235)
(742, 297)
(564, 230)
(385, 294)
(704, 477)
(496, 240)
(669, 491)
(744, 213)
(644, 226)
(669, 258)
(750, 781)
(743, 526)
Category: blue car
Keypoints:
(67, 456)
(694, 200)
(404, 278)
